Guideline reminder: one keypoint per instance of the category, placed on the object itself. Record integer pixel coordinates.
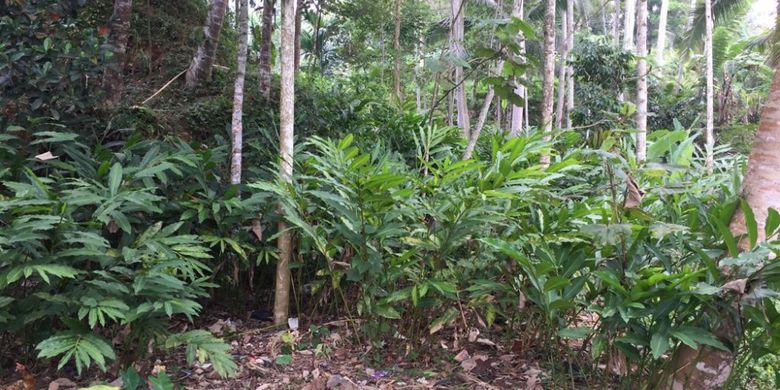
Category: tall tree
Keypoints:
(264, 68)
(548, 74)
(298, 20)
(237, 126)
(457, 8)
(660, 44)
(641, 81)
(569, 67)
(709, 368)
(113, 81)
(628, 25)
(615, 21)
(397, 50)
(560, 111)
(520, 90)
(286, 121)
(203, 61)
(709, 143)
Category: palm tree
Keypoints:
(707, 367)
(559, 111)
(569, 67)
(457, 8)
(628, 26)
(661, 42)
(236, 129)
(548, 73)
(113, 82)
(264, 69)
(397, 49)
(709, 136)
(203, 61)
(287, 118)
(641, 83)
(520, 90)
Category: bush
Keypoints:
(88, 257)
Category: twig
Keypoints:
(468, 378)
(163, 87)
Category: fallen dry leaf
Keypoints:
(462, 355)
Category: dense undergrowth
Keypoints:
(115, 225)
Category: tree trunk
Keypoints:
(203, 62)
(548, 74)
(641, 82)
(517, 111)
(560, 112)
(661, 42)
(298, 20)
(456, 47)
(264, 73)
(569, 67)
(616, 21)
(397, 49)
(113, 82)
(236, 129)
(287, 118)
(417, 70)
(628, 26)
(483, 113)
(708, 132)
(709, 368)
(688, 25)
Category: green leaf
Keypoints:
(115, 178)
(284, 360)
(772, 222)
(692, 336)
(161, 382)
(750, 223)
(659, 344)
(575, 333)
(131, 379)
(387, 311)
(728, 238)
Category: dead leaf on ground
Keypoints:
(462, 355)
(738, 285)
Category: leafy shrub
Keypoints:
(82, 253)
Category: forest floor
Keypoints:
(327, 355)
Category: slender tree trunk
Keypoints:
(548, 74)
(417, 70)
(688, 25)
(456, 45)
(560, 112)
(709, 368)
(113, 81)
(298, 20)
(264, 69)
(237, 129)
(616, 21)
(483, 113)
(710, 137)
(569, 67)
(397, 49)
(641, 82)
(203, 62)
(287, 118)
(628, 26)
(518, 10)
(661, 42)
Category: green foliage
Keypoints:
(82, 252)
(35, 37)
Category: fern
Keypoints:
(83, 348)
(204, 346)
